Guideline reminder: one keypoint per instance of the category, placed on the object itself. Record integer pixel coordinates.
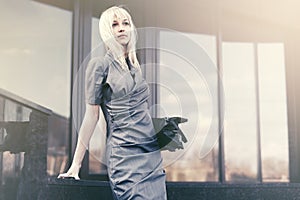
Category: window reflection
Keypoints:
(35, 60)
(240, 136)
(242, 150)
(182, 93)
(273, 112)
(35, 53)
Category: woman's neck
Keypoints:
(125, 51)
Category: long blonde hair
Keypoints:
(111, 44)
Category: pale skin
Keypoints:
(121, 31)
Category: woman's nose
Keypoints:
(121, 28)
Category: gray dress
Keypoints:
(134, 160)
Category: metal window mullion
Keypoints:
(157, 73)
(151, 68)
(291, 89)
(258, 126)
(221, 157)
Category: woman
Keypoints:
(116, 85)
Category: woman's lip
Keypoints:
(122, 36)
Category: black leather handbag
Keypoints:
(169, 135)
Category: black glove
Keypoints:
(169, 135)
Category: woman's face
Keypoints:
(121, 30)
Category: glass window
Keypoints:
(35, 60)
(35, 53)
(248, 100)
(183, 91)
(240, 135)
(273, 112)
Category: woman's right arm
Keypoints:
(87, 128)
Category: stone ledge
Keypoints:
(87, 189)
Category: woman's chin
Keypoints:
(123, 42)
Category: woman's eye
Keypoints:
(114, 24)
(126, 23)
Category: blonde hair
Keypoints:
(106, 33)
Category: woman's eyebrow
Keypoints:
(122, 20)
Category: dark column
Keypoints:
(33, 175)
(293, 104)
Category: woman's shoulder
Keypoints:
(98, 64)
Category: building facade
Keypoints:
(230, 67)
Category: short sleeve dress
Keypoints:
(134, 161)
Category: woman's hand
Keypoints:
(71, 173)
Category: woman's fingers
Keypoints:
(68, 176)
